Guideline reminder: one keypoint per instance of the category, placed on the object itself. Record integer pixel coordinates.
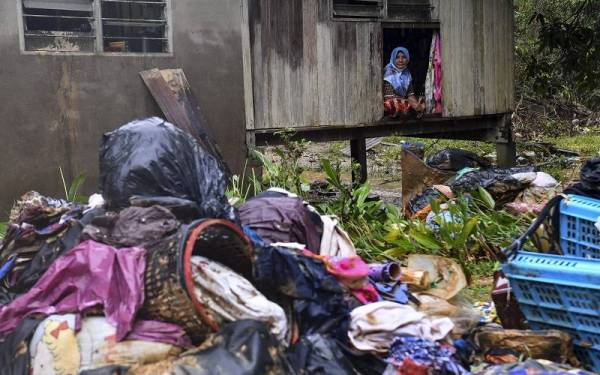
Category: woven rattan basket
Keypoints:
(169, 288)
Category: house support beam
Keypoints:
(358, 153)
(506, 147)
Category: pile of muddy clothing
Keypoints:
(160, 275)
(454, 172)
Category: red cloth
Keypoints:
(396, 106)
(409, 367)
(90, 275)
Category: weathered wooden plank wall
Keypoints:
(477, 56)
(310, 70)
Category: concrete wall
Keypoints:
(55, 108)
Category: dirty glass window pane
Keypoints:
(413, 10)
(59, 25)
(357, 8)
(138, 26)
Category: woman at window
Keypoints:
(398, 92)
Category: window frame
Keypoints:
(383, 17)
(99, 36)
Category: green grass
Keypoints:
(587, 145)
(482, 276)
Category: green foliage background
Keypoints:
(558, 50)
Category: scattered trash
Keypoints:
(445, 274)
(551, 345)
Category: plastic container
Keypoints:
(560, 292)
(579, 236)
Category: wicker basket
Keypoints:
(169, 287)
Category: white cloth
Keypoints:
(374, 326)
(544, 180)
(335, 242)
(231, 297)
(525, 177)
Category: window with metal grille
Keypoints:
(414, 10)
(96, 26)
(357, 8)
(134, 26)
(59, 25)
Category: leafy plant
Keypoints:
(468, 229)
(72, 190)
(3, 226)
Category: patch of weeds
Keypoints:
(282, 170)
(334, 152)
(435, 145)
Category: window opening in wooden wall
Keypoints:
(409, 10)
(410, 89)
(59, 25)
(138, 26)
(357, 8)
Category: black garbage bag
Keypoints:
(497, 181)
(152, 158)
(589, 180)
(455, 159)
(244, 347)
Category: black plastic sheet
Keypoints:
(244, 347)
(317, 296)
(497, 181)
(319, 355)
(455, 159)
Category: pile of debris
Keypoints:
(452, 172)
(160, 275)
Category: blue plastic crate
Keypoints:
(560, 292)
(578, 235)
